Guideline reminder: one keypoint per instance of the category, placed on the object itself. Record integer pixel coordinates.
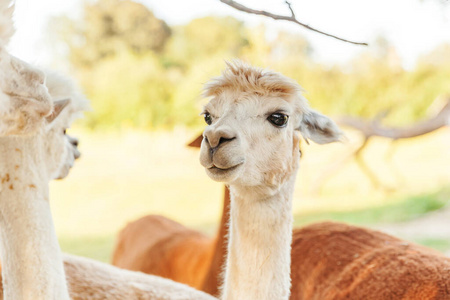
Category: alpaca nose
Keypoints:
(216, 138)
(76, 154)
(74, 141)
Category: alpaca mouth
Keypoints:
(214, 167)
(222, 173)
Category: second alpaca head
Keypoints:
(33, 103)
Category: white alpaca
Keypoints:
(256, 119)
(33, 148)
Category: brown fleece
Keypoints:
(338, 261)
(159, 246)
(330, 261)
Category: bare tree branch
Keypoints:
(290, 18)
(374, 128)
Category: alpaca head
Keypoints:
(58, 150)
(33, 104)
(24, 99)
(60, 87)
(255, 121)
(62, 149)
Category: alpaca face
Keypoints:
(25, 99)
(27, 109)
(61, 150)
(251, 140)
(255, 121)
(65, 158)
(72, 154)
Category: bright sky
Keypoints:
(414, 27)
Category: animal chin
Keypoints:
(63, 172)
(76, 154)
(223, 174)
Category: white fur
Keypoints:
(33, 151)
(25, 99)
(92, 280)
(32, 263)
(259, 162)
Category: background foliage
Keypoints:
(140, 73)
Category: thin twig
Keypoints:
(291, 18)
(290, 8)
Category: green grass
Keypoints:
(438, 244)
(403, 210)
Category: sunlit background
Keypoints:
(142, 64)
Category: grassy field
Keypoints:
(122, 176)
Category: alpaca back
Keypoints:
(338, 261)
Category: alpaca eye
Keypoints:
(64, 131)
(278, 119)
(208, 118)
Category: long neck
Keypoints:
(258, 262)
(31, 259)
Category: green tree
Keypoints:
(140, 73)
(221, 37)
(109, 27)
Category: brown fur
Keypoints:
(159, 246)
(338, 261)
(167, 240)
(330, 261)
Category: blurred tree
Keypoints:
(206, 37)
(110, 26)
(130, 90)
(140, 73)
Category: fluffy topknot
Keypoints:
(243, 77)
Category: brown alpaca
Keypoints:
(338, 261)
(328, 260)
(184, 255)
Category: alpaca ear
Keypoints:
(58, 107)
(319, 128)
(197, 143)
